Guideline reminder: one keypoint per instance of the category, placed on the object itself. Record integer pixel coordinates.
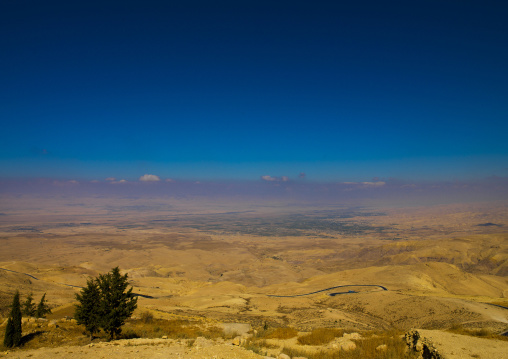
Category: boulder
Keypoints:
(348, 345)
(423, 346)
(343, 344)
(237, 340)
(382, 348)
(53, 324)
(354, 336)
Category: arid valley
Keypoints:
(267, 263)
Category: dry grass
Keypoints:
(365, 348)
(280, 333)
(256, 346)
(148, 327)
(62, 312)
(146, 317)
(320, 336)
(481, 333)
(38, 335)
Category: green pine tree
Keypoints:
(28, 309)
(87, 311)
(9, 334)
(43, 308)
(117, 302)
(13, 330)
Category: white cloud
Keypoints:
(121, 181)
(275, 179)
(170, 180)
(269, 178)
(149, 178)
(374, 184)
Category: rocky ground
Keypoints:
(140, 348)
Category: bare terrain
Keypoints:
(227, 261)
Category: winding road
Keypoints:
(31, 276)
(69, 285)
(330, 294)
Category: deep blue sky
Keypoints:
(239, 89)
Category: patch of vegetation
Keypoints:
(481, 333)
(13, 330)
(280, 333)
(320, 336)
(365, 348)
(173, 329)
(147, 317)
(256, 347)
(39, 335)
(67, 332)
(345, 222)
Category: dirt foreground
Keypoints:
(140, 348)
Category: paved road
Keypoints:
(331, 294)
(31, 276)
(13, 271)
(69, 285)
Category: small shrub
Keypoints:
(482, 333)
(265, 344)
(231, 335)
(146, 317)
(255, 347)
(129, 333)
